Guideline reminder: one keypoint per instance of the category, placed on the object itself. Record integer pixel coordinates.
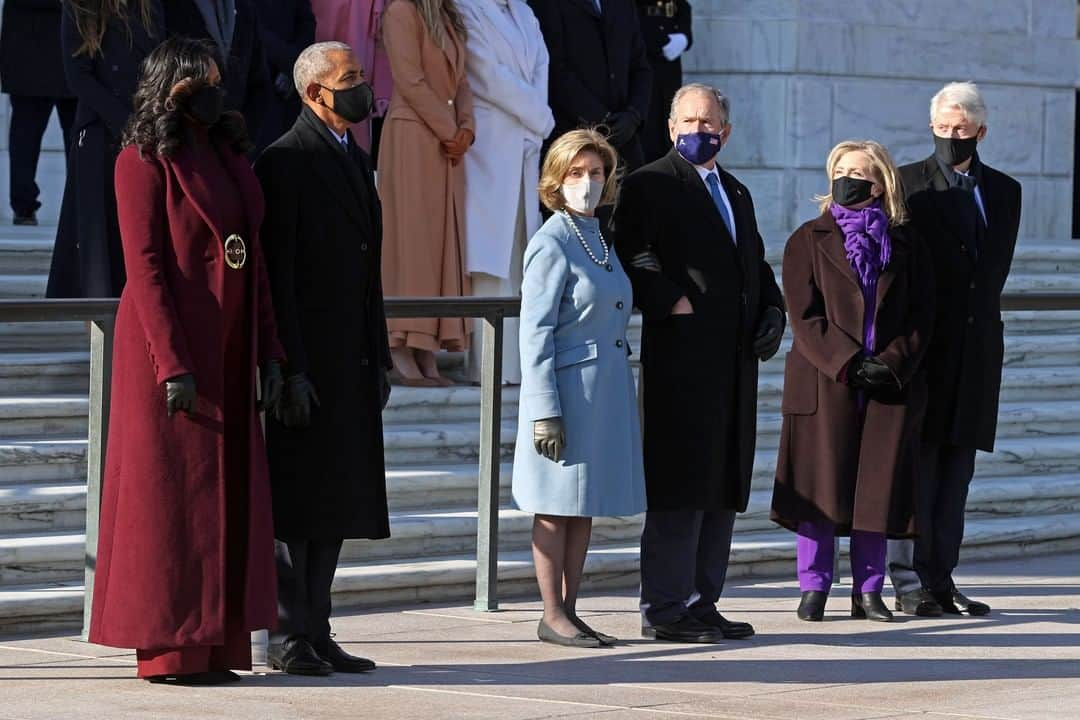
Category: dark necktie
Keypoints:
(718, 200)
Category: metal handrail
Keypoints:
(101, 314)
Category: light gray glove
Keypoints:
(646, 261)
(549, 439)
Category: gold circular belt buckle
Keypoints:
(235, 252)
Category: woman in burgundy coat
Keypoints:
(186, 558)
(859, 290)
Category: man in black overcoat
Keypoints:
(665, 28)
(322, 237)
(969, 215)
(31, 72)
(686, 231)
(286, 27)
(598, 71)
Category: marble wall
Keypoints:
(805, 74)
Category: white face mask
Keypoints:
(583, 196)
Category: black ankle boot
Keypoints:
(812, 605)
(870, 606)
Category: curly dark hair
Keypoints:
(169, 75)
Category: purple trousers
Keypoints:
(815, 558)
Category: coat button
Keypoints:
(116, 68)
(971, 319)
(363, 246)
(364, 362)
(619, 305)
(963, 248)
(618, 343)
(972, 285)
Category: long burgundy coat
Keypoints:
(161, 555)
(829, 469)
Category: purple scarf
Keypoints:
(869, 249)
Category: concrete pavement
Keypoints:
(1020, 663)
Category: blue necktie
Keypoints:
(714, 190)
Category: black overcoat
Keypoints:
(286, 28)
(659, 19)
(700, 373)
(87, 260)
(597, 65)
(971, 264)
(322, 237)
(30, 59)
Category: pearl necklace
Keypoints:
(581, 238)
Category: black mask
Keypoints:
(954, 151)
(848, 191)
(206, 104)
(353, 104)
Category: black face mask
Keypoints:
(848, 191)
(954, 151)
(206, 104)
(353, 104)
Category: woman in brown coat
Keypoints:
(427, 131)
(859, 291)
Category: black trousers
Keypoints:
(929, 560)
(684, 561)
(305, 570)
(29, 120)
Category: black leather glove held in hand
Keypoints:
(549, 438)
(180, 394)
(294, 410)
(878, 375)
(271, 385)
(770, 332)
(622, 125)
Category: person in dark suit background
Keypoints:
(969, 214)
(32, 73)
(686, 231)
(598, 73)
(286, 27)
(665, 27)
(323, 241)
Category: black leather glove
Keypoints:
(646, 261)
(180, 394)
(272, 384)
(294, 409)
(384, 387)
(549, 439)
(870, 374)
(770, 332)
(622, 126)
(283, 84)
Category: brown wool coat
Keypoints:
(422, 193)
(827, 468)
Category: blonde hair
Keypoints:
(431, 12)
(561, 155)
(883, 171)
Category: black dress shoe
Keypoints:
(684, 630)
(30, 219)
(213, 677)
(870, 606)
(297, 657)
(918, 602)
(812, 605)
(955, 602)
(342, 661)
(730, 629)
(580, 640)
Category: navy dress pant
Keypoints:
(29, 120)
(305, 570)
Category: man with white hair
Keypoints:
(969, 215)
(322, 237)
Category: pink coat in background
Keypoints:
(357, 23)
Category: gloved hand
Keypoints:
(384, 387)
(294, 410)
(549, 439)
(622, 126)
(646, 261)
(869, 373)
(180, 394)
(272, 384)
(676, 46)
(770, 332)
(283, 84)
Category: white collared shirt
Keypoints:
(705, 172)
(343, 138)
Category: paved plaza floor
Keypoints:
(1020, 663)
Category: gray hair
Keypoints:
(721, 99)
(313, 64)
(964, 96)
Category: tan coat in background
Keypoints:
(423, 195)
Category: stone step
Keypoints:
(42, 508)
(29, 253)
(416, 444)
(43, 337)
(1034, 322)
(27, 286)
(43, 416)
(40, 558)
(1046, 256)
(42, 461)
(44, 372)
(439, 486)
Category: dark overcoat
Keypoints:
(971, 263)
(286, 28)
(852, 468)
(659, 19)
(87, 260)
(597, 65)
(700, 372)
(162, 551)
(323, 242)
(30, 59)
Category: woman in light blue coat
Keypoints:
(578, 450)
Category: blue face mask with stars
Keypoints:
(698, 148)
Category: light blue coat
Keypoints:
(575, 365)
